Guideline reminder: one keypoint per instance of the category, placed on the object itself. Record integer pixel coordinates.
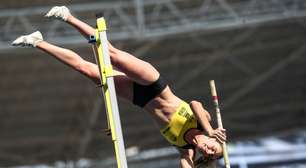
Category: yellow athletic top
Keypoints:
(181, 121)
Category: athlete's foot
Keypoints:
(30, 40)
(59, 12)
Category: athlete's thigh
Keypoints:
(136, 69)
(124, 87)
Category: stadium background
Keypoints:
(255, 51)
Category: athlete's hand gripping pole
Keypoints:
(108, 87)
(219, 120)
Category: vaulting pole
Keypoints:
(109, 92)
(219, 120)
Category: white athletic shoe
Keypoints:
(30, 40)
(58, 12)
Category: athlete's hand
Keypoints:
(219, 134)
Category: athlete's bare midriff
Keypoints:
(163, 106)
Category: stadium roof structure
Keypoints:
(146, 19)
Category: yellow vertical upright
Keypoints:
(109, 93)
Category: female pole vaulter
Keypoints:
(184, 125)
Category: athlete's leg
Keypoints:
(72, 59)
(122, 83)
(63, 13)
(136, 69)
(85, 29)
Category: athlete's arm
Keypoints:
(186, 158)
(204, 119)
(202, 115)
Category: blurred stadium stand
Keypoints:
(254, 49)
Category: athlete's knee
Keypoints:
(150, 70)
